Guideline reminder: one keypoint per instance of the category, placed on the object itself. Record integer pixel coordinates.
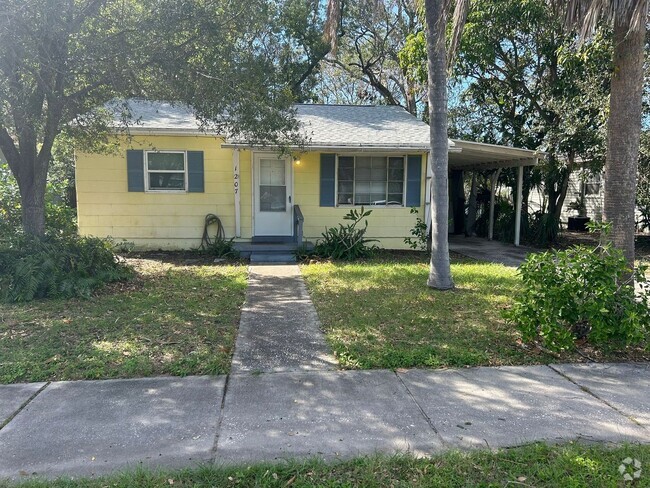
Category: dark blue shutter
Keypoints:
(135, 169)
(327, 179)
(414, 180)
(195, 179)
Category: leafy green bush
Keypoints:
(346, 242)
(56, 267)
(419, 233)
(581, 293)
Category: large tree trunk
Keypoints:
(436, 23)
(623, 132)
(32, 198)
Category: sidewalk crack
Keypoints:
(603, 401)
(22, 407)
(213, 451)
(422, 412)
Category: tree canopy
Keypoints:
(240, 66)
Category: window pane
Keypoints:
(166, 181)
(362, 199)
(346, 168)
(396, 169)
(273, 198)
(395, 199)
(166, 161)
(363, 174)
(272, 172)
(345, 186)
(378, 169)
(362, 187)
(395, 187)
(364, 162)
(379, 162)
(378, 187)
(345, 198)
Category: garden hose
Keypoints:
(206, 240)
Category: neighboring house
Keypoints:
(591, 187)
(588, 186)
(169, 175)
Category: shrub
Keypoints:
(346, 242)
(419, 233)
(581, 293)
(56, 267)
(220, 247)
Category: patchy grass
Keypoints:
(174, 319)
(381, 314)
(537, 465)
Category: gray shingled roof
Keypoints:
(163, 116)
(362, 126)
(342, 126)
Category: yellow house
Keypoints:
(157, 191)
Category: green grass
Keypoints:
(380, 313)
(173, 319)
(537, 465)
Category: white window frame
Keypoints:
(354, 181)
(146, 172)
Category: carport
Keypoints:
(475, 156)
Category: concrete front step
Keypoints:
(259, 252)
(272, 257)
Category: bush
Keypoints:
(346, 242)
(581, 293)
(223, 248)
(56, 267)
(419, 233)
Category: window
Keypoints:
(166, 170)
(370, 180)
(592, 185)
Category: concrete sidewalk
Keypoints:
(88, 428)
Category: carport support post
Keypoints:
(520, 184)
(494, 177)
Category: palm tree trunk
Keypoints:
(623, 132)
(436, 23)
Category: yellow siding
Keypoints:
(175, 220)
(156, 220)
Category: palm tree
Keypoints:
(436, 17)
(435, 13)
(628, 18)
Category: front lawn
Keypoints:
(535, 465)
(381, 314)
(178, 319)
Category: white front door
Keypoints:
(272, 188)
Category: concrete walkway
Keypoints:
(279, 330)
(493, 251)
(291, 404)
